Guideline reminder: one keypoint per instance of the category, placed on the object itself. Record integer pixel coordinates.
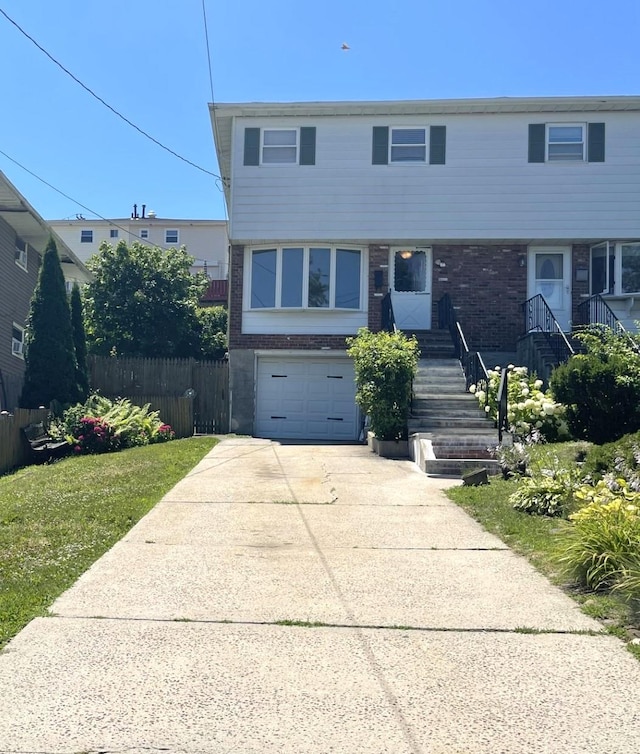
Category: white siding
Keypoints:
(486, 189)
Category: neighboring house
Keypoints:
(23, 239)
(334, 204)
(206, 240)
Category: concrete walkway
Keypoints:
(314, 599)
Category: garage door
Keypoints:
(306, 399)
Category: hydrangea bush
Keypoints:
(530, 410)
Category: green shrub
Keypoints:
(602, 546)
(620, 458)
(385, 365)
(530, 410)
(601, 388)
(548, 493)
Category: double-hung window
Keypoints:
(113, 232)
(306, 277)
(171, 236)
(408, 145)
(565, 142)
(17, 341)
(21, 257)
(86, 236)
(279, 146)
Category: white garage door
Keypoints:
(306, 399)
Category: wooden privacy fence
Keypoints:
(14, 451)
(163, 379)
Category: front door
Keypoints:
(550, 276)
(410, 277)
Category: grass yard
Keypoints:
(56, 520)
(539, 538)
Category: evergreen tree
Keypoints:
(49, 355)
(79, 342)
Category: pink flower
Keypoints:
(78, 449)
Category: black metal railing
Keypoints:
(473, 366)
(539, 317)
(503, 389)
(596, 311)
(388, 318)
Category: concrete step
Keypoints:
(457, 467)
(427, 424)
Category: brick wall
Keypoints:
(581, 258)
(378, 261)
(487, 285)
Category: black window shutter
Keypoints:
(251, 146)
(537, 142)
(595, 142)
(380, 155)
(308, 145)
(437, 145)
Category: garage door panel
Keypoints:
(306, 399)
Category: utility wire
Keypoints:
(75, 201)
(206, 36)
(106, 104)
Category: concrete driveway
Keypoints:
(299, 598)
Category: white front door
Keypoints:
(410, 279)
(550, 276)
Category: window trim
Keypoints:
(144, 234)
(424, 144)
(547, 143)
(263, 131)
(279, 248)
(113, 233)
(86, 235)
(21, 257)
(17, 346)
(175, 231)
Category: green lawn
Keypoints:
(56, 520)
(539, 539)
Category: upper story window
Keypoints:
(405, 145)
(86, 236)
(171, 236)
(566, 142)
(280, 146)
(300, 277)
(21, 254)
(113, 233)
(408, 145)
(144, 233)
(17, 341)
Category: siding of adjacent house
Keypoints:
(16, 289)
(487, 190)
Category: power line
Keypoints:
(106, 104)
(71, 199)
(206, 36)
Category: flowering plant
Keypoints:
(530, 410)
(164, 433)
(92, 435)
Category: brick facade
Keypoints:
(487, 284)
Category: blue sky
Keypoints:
(148, 59)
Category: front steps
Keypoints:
(449, 433)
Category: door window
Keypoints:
(410, 271)
(549, 277)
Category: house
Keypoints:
(496, 202)
(206, 240)
(23, 239)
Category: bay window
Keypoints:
(615, 268)
(306, 277)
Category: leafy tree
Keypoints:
(213, 331)
(49, 355)
(143, 301)
(79, 342)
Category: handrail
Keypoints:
(596, 311)
(388, 318)
(503, 390)
(539, 317)
(473, 366)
